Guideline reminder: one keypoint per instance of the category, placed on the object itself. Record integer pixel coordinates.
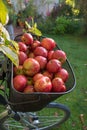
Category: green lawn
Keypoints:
(76, 50)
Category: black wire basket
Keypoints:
(35, 101)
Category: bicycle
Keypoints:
(41, 114)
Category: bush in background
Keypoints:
(61, 9)
(62, 20)
(70, 26)
(61, 25)
(46, 25)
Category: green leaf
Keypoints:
(10, 54)
(4, 33)
(15, 46)
(3, 13)
(9, 47)
(28, 25)
(35, 25)
(33, 29)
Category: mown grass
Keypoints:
(76, 50)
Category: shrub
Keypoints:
(46, 25)
(61, 25)
(61, 9)
(70, 26)
(75, 26)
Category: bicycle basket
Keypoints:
(37, 100)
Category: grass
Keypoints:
(76, 50)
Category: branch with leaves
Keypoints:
(33, 28)
(7, 46)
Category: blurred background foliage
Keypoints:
(66, 17)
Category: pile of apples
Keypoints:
(40, 66)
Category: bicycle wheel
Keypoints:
(49, 117)
(52, 116)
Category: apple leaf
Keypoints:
(14, 46)
(8, 47)
(3, 13)
(10, 53)
(35, 25)
(33, 29)
(4, 32)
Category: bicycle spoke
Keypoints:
(45, 119)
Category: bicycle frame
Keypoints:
(18, 117)
(26, 119)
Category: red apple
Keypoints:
(60, 55)
(50, 53)
(22, 47)
(22, 57)
(53, 66)
(43, 84)
(35, 44)
(18, 70)
(58, 85)
(62, 73)
(19, 82)
(37, 76)
(29, 89)
(40, 51)
(48, 43)
(31, 66)
(42, 61)
(27, 38)
(48, 74)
